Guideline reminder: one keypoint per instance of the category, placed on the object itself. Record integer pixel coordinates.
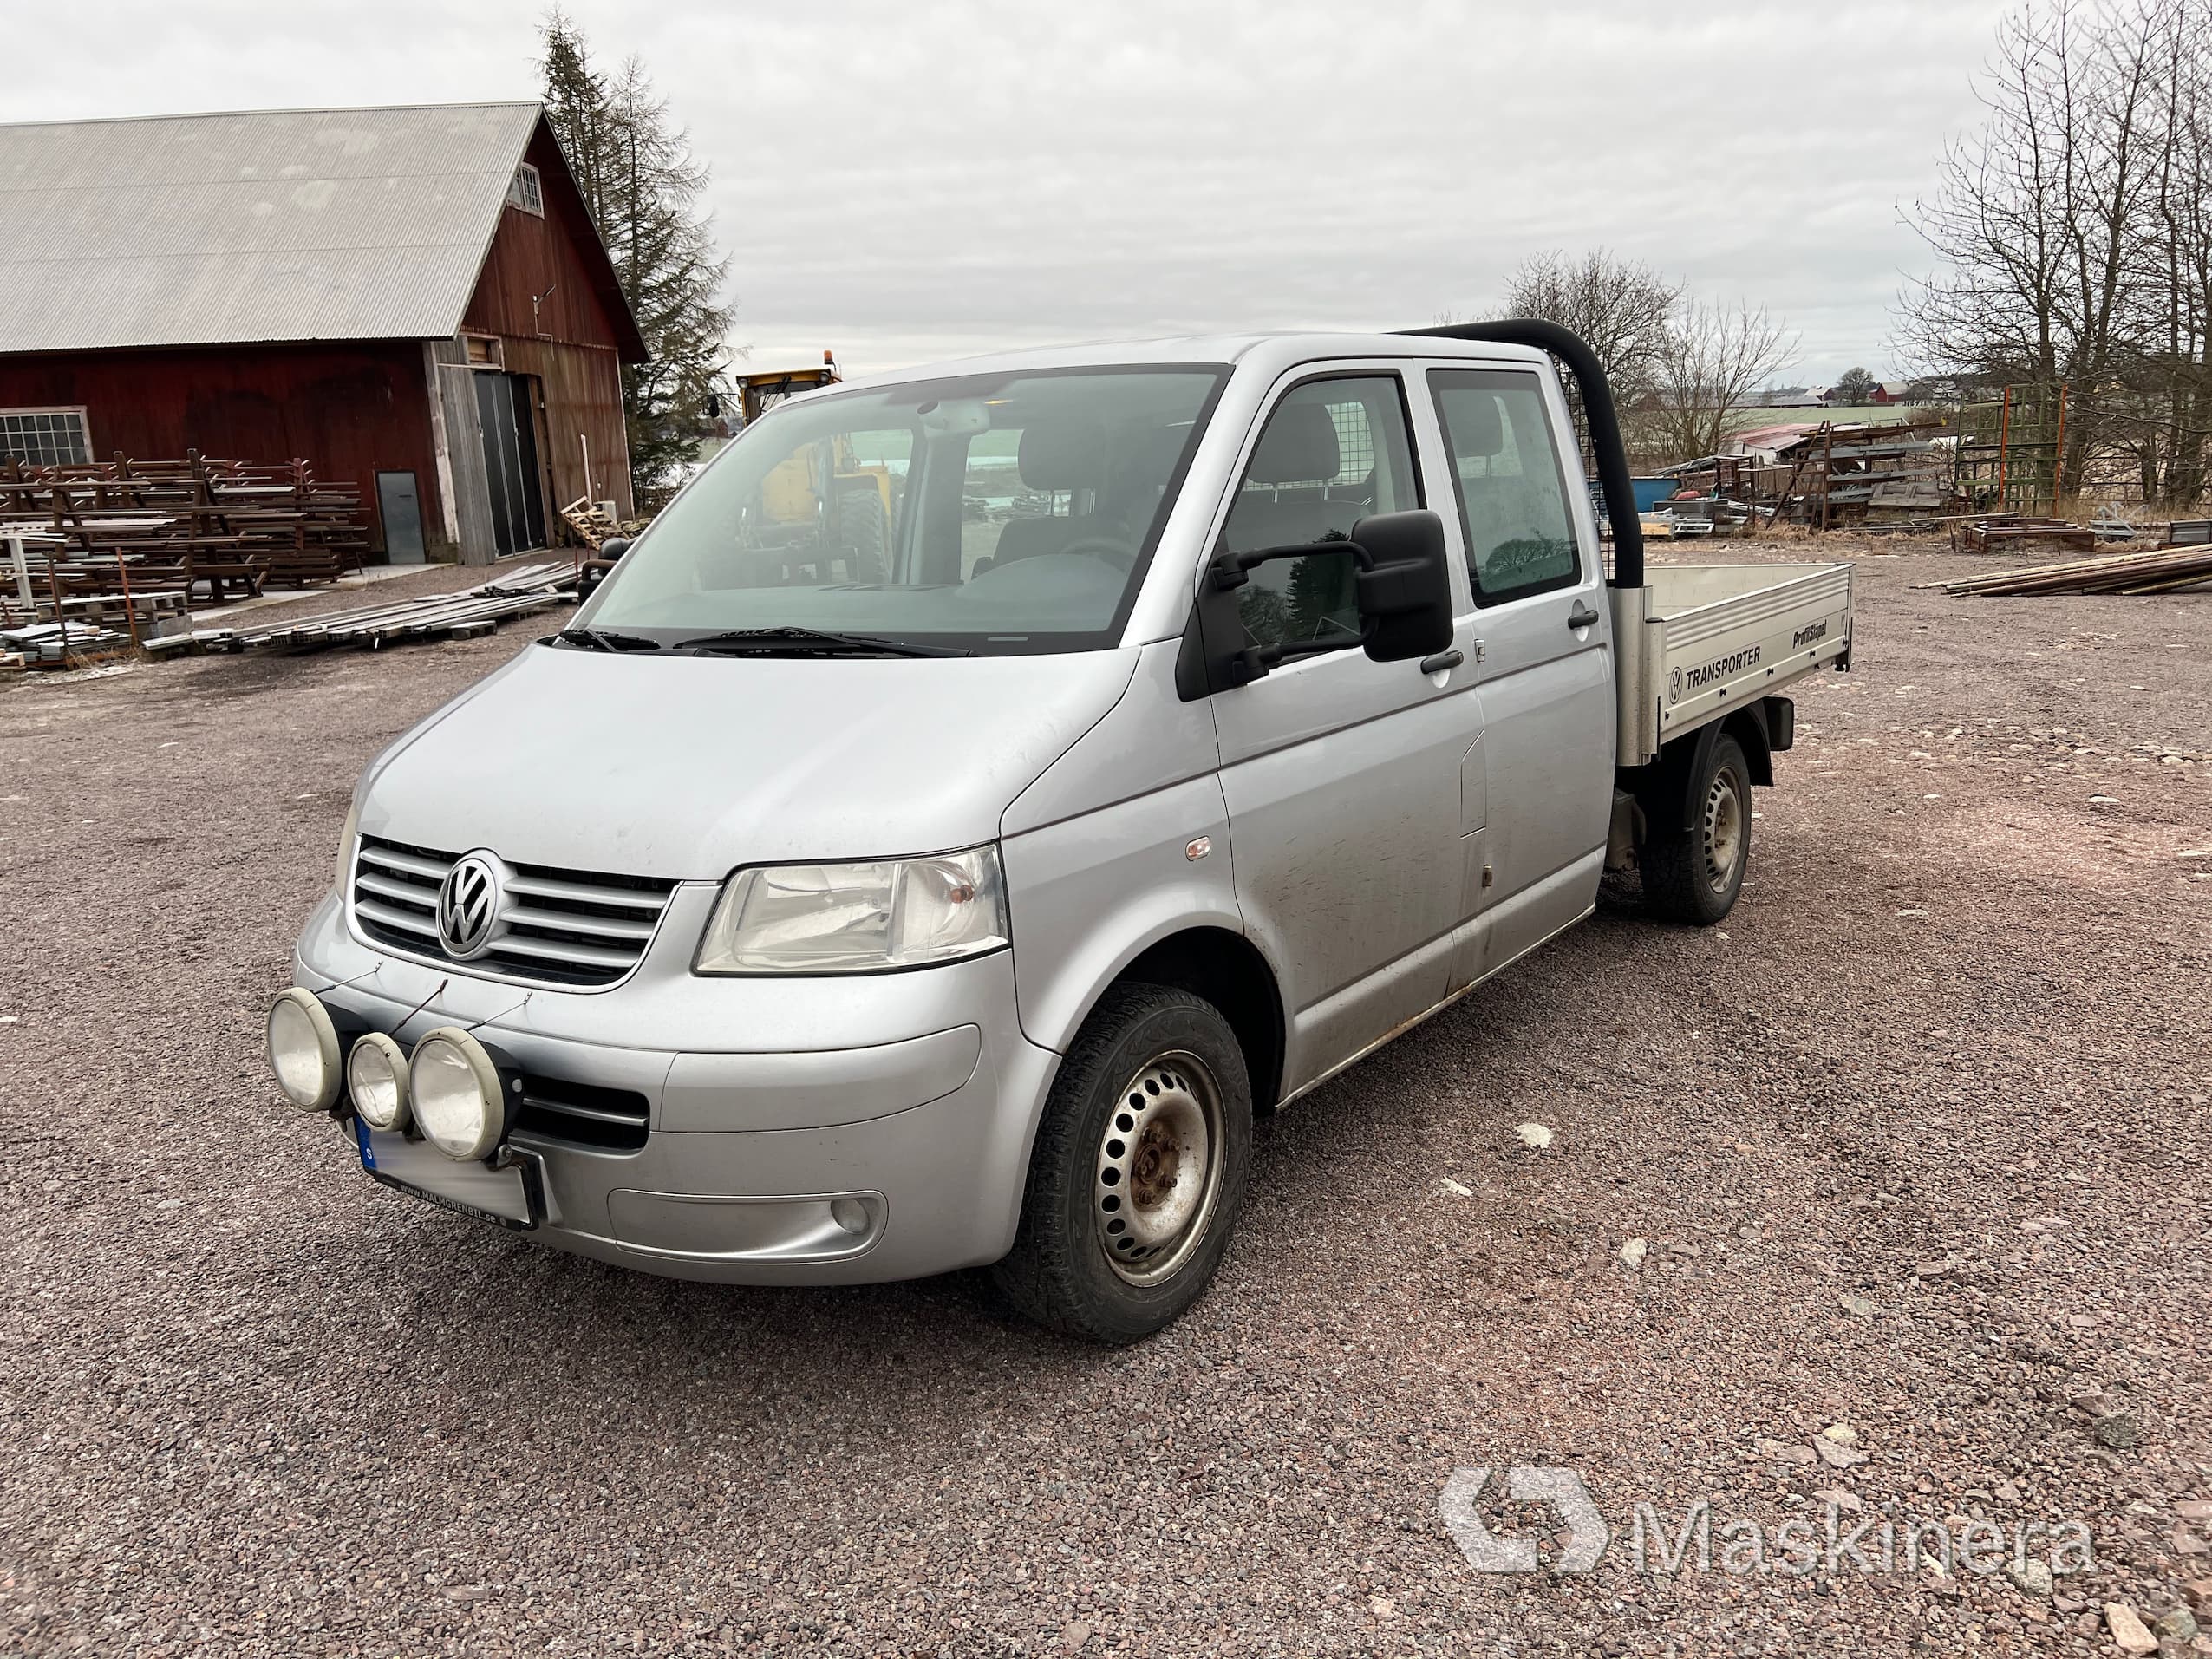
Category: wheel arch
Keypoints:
(1748, 726)
(1227, 970)
(1664, 788)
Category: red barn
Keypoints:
(413, 299)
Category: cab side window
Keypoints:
(1333, 452)
(1512, 490)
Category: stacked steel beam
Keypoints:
(534, 587)
(2166, 570)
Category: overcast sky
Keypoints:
(908, 181)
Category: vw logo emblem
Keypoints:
(1674, 687)
(468, 906)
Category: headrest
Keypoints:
(1298, 447)
(1143, 464)
(1063, 454)
(1152, 456)
(1477, 427)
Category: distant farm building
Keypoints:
(414, 299)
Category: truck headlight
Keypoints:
(849, 919)
(376, 1080)
(454, 1088)
(304, 1049)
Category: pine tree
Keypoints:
(635, 171)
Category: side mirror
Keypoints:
(1403, 585)
(593, 571)
(1402, 588)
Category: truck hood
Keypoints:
(691, 766)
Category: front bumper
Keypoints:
(910, 1097)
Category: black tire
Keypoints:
(863, 531)
(1693, 875)
(1065, 1271)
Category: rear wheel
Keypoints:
(1694, 874)
(1139, 1170)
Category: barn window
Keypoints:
(45, 437)
(525, 191)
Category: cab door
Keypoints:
(1341, 774)
(1543, 652)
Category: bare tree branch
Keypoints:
(1714, 358)
(1620, 309)
(2071, 237)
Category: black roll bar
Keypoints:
(1597, 408)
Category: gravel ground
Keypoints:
(1917, 1147)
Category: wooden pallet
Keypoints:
(593, 528)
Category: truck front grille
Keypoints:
(554, 927)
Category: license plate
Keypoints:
(512, 1197)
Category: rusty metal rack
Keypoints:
(126, 528)
(2009, 448)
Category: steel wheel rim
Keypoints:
(1158, 1176)
(1724, 829)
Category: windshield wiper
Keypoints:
(810, 640)
(605, 639)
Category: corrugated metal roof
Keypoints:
(284, 225)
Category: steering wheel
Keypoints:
(1119, 554)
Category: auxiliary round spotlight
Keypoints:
(376, 1078)
(455, 1089)
(304, 1049)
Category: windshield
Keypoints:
(993, 515)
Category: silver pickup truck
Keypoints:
(983, 790)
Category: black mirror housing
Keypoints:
(593, 571)
(1403, 586)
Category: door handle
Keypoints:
(1583, 615)
(1442, 661)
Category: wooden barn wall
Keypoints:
(533, 257)
(567, 340)
(583, 396)
(352, 409)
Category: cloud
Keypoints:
(901, 182)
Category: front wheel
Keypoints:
(1694, 874)
(1139, 1170)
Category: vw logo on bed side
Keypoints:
(468, 906)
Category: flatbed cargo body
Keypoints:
(1700, 641)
